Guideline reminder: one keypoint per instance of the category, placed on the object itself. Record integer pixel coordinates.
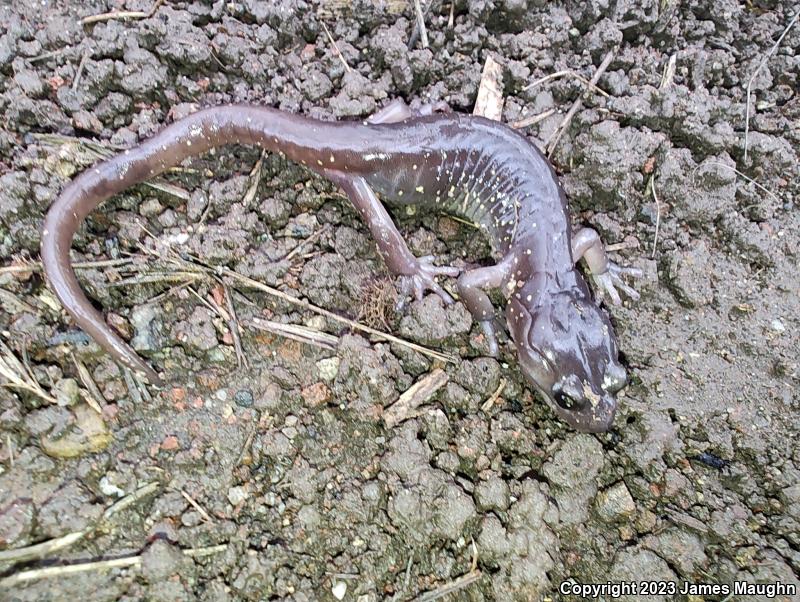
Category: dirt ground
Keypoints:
(278, 479)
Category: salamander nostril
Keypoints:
(566, 401)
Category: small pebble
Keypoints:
(108, 488)
(316, 322)
(66, 392)
(777, 325)
(243, 398)
(237, 494)
(615, 503)
(328, 368)
(339, 589)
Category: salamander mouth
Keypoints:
(595, 415)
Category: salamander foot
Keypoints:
(491, 336)
(424, 278)
(608, 282)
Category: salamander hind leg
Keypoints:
(416, 274)
(397, 111)
(470, 288)
(607, 275)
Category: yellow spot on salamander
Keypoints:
(420, 189)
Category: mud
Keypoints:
(285, 463)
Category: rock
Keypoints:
(197, 334)
(615, 503)
(697, 194)
(431, 322)
(571, 472)
(481, 375)
(87, 434)
(492, 494)
(243, 398)
(72, 508)
(150, 207)
(515, 549)
(16, 522)
(328, 368)
(161, 560)
(316, 394)
(610, 160)
(237, 495)
(32, 85)
(147, 326)
(66, 392)
(681, 549)
(84, 120)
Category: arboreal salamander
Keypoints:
(468, 165)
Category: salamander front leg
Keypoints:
(470, 288)
(416, 274)
(607, 275)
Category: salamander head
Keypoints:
(567, 349)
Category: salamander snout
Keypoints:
(615, 377)
(568, 350)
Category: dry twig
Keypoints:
(122, 14)
(234, 327)
(296, 332)
(333, 316)
(40, 550)
(36, 266)
(741, 175)
(532, 119)
(10, 446)
(306, 241)
(79, 72)
(18, 374)
(336, 47)
(423, 33)
(100, 565)
(658, 215)
(92, 393)
(201, 511)
(553, 142)
(490, 101)
(255, 180)
(487, 405)
(566, 73)
(669, 72)
(408, 403)
(449, 588)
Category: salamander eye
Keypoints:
(565, 401)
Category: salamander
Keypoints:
(467, 165)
